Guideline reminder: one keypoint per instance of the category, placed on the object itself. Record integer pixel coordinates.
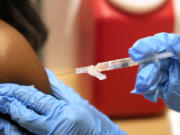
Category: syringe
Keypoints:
(117, 64)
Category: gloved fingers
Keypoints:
(150, 81)
(172, 96)
(173, 82)
(149, 46)
(10, 128)
(174, 72)
(147, 78)
(30, 97)
(16, 110)
(62, 91)
(174, 43)
(25, 117)
(7, 127)
(153, 96)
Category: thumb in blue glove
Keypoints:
(61, 91)
(158, 79)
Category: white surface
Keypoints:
(137, 6)
(174, 118)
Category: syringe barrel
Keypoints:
(116, 64)
(121, 63)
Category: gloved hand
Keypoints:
(158, 79)
(66, 113)
(10, 128)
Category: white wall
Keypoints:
(59, 16)
(176, 4)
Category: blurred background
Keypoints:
(60, 16)
(85, 32)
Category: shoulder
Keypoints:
(10, 37)
(18, 62)
(14, 48)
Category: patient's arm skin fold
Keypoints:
(18, 62)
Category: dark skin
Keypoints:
(18, 62)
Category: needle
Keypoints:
(115, 64)
(60, 74)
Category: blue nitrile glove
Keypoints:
(158, 79)
(10, 128)
(42, 114)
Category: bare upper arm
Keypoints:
(18, 62)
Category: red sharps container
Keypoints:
(106, 33)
